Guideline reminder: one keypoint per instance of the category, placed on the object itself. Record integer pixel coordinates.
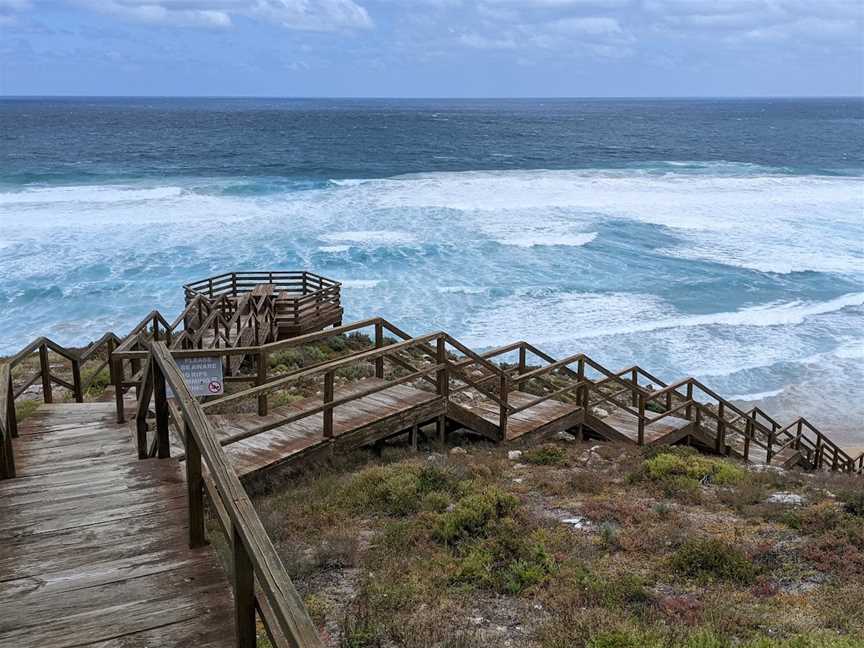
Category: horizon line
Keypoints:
(419, 98)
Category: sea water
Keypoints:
(717, 238)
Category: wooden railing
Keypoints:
(8, 424)
(78, 383)
(255, 559)
(299, 299)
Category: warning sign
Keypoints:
(203, 375)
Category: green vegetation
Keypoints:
(96, 381)
(547, 455)
(709, 559)
(25, 408)
(676, 550)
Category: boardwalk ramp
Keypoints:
(94, 544)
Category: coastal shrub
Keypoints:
(712, 559)
(506, 561)
(98, 380)
(472, 514)
(615, 591)
(25, 409)
(694, 467)
(397, 489)
(626, 639)
(546, 455)
(853, 502)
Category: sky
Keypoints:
(432, 48)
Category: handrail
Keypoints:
(255, 557)
(336, 364)
(8, 426)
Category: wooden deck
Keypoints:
(620, 426)
(94, 547)
(483, 416)
(358, 422)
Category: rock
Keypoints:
(518, 480)
(519, 465)
(458, 451)
(785, 498)
(565, 436)
(577, 522)
(435, 456)
(599, 412)
(513, 455)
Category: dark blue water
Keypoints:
(721, 238)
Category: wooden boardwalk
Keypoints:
(94, 547)
(358, 422)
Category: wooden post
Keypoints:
(634, 378)
(45, 369)
(641, 429)
(582, 392)
(76, 381)
(194, 490)
(8, 459)
(244, 594)
(260, 380)
(328, 398)
(770, 450)
(720, 441)
(818, 450)
(118, 389)
(798, 432)
(503, 389)
(522, 365)
(414, 432)
(136, 369)
(161, 404)
(689, 409)
(442, 377)
(748, 433)
(379, 342)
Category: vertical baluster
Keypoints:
(76, 381)
(160, 398)
(194, 490)
(503, 414)
(442, 384)
(523, 360)
(45, 368)
(328, 398)
(688, 413)
(379, 342)
(720, 442)
(260, 379)
(641, 429)
(244, 594)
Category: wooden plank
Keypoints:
(94, 546)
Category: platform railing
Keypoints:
(255, 559)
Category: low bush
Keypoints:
(472, 514)
(547, 455)
(698, 468)
(397, 489)
(712, 559)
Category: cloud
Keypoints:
(590, 26)
(316, 15)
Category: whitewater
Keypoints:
(746, 276)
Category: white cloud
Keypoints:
(591, 26)
(294, 14)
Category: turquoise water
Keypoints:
(719, 238)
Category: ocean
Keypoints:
(717, 238)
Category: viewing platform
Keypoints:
(297, 302)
